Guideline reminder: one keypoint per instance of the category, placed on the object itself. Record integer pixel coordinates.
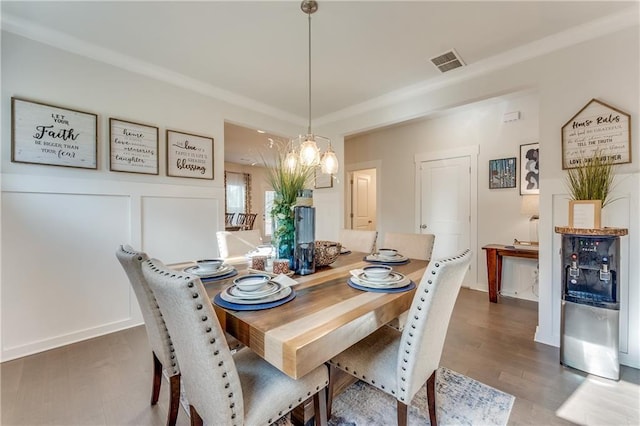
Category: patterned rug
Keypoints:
(460, 400)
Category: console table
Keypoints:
(495, 253)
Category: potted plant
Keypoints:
(589, 186)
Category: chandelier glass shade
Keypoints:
(304, 148)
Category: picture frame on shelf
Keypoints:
(585, 214)
(530, 169)
(189, 155)
(52, 135)
(133, 147)
(323, 180)
(502, 173)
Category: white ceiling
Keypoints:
(256, 52)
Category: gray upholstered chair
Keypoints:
(159, 340)
(358, 240)
(399, 363)
(225, 388)
(414, 246)
(233, 245)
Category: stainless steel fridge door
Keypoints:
(589, 339)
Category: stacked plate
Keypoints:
(377, 257)
(271, 292)
(225, 271)
(393, 280)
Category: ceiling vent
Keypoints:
(448, 61)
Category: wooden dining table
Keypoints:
(325, 317)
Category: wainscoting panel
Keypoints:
(175, 229)
(61, 279)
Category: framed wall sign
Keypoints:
(189, 155)
(502, 173)
(133, 147)
(596, 128)
(52, 135)
(529, 169)
(323, 180)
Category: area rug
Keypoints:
(460, 401)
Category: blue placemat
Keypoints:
(252, 307)
(408, 287)
(383, 262)
(221, 277)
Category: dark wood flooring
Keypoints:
(107, 380)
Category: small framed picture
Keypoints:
(133, 147)
(585, 214)
(529, 169)
(502, 173)
(323, 180)
(53, 135)
(189, 155)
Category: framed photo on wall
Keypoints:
(529, 169)
(502, 173)
(323, 180)
(189, 155)
(133, 147)
(53, 135)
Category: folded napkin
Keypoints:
(284, 280)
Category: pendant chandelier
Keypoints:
(307, 152)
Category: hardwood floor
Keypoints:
(107, 380)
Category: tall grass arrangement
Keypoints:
(592, 180)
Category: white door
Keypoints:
(363, 202)
(445, 204)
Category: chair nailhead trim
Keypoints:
(204, 318)
(208, 329)
(190, 285)
(199, 306)
(212, 341)
(226, 385)
(224, 375)
(230, 395)
(233, 404)
(216, 352)
(194, 295)
(220, 363)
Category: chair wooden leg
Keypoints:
(196, 420)
(403, 410)
(330, 388)
(174, 400)
(157, 379)
(431, 398)
(320, 407)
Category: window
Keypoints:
(237, 190)
(268, 202)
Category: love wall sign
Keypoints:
(52, 135)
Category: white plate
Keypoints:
(195, 270)
(392, 278)
(402, 283)
(270, 288)
(284, 292)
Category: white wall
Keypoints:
(60, 280)
(480, 124)
(605, 67)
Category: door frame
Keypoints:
(471, 151)
(349, 169)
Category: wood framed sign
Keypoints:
(52, 135)
(189, 155)
(133, 147)
(596, 128)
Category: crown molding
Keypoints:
(74, 45)
(588, 31)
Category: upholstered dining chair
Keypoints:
(249, 220)
(159, 339)
(225, 388)
(414, 246)
(233, 245)
(399, 363)
(358, 240)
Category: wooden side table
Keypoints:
(495, 253)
